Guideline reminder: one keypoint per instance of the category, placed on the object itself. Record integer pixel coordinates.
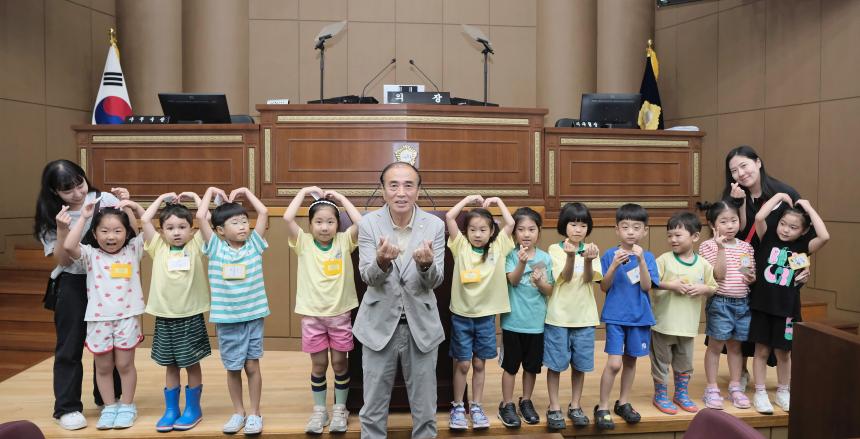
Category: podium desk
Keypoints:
(605, 168)
(150, 160)
(461, 150)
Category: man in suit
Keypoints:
(401, 256)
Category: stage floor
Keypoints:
(287, 403)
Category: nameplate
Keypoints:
(419, 97)
(147, 119)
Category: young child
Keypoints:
(178, 297)
(114, 306)
(325, 295)
(478, 293)
(239, 301)
(728, 311)
(571, 312)
(685, 280)
(529, 273)
(628, 273)
(775, 299)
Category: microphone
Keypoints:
(486, 45)
(393, 60)
(424, 74)
(321, 41)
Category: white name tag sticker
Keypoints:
(233, 271)
(180, 263)
(579, 265)
(633, 275)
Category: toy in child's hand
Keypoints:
(798, 261)
(746, 263)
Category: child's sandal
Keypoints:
(713, 399)
(739, 399)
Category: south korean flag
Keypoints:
(112, 103)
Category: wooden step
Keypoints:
(27, 336)
(813, 311)
(13, 362)
(23, 281)
(23, 307)
(32, 258)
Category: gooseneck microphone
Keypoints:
(424, 74)
(393, 60)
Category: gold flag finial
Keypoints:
(112, 36)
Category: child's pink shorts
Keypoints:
(321, 333)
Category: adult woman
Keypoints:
(64, 183)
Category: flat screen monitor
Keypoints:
(612, 110)
(195, 107)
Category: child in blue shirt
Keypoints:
(628, 274)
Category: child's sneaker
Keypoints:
(713, 399)
(782, 398)
(739, 399)
(577, 416)
(108, 417)
(72, 421)
(527, 410)
(339, 416)
(508, 415)
(458, 417)
(318, 421)
(480, 421)
(762, 402)
(253, 425)
(555, 420)
(234, 424)
(125, 416)
(661, 399)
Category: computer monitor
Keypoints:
(612, 110)
(195, 107)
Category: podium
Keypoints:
(461, 150)
(150, 160)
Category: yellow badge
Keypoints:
(470, 276)
(332, 267)
(233, 271)
(798, 261)
(120, 271)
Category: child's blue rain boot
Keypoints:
(171, 410)
(192, 414)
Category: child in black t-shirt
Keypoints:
(775, 298)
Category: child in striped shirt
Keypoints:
(728, 311)
(239, 301)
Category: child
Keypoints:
(728, 311)
(685, 279)
(325, 295)
(478, 293)
(775, 299)
(178, 297)
(571, 313)
(239, 301)
(629, 271)
(114, 304)
(529, 273)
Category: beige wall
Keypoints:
(780, 75)
(52, 54)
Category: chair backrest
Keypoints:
(717, 424)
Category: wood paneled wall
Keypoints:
(779, 75)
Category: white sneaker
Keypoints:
(234, 424)
(319, 419)
(782, 398)
(72, 421)
(339, 416)
(761, 402)
(253, 425)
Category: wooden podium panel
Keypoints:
(462, 150)
(605, 168)
(150, 160)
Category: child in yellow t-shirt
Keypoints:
(685, 280)
(325, 295)
(479, 291)
(571, 314)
